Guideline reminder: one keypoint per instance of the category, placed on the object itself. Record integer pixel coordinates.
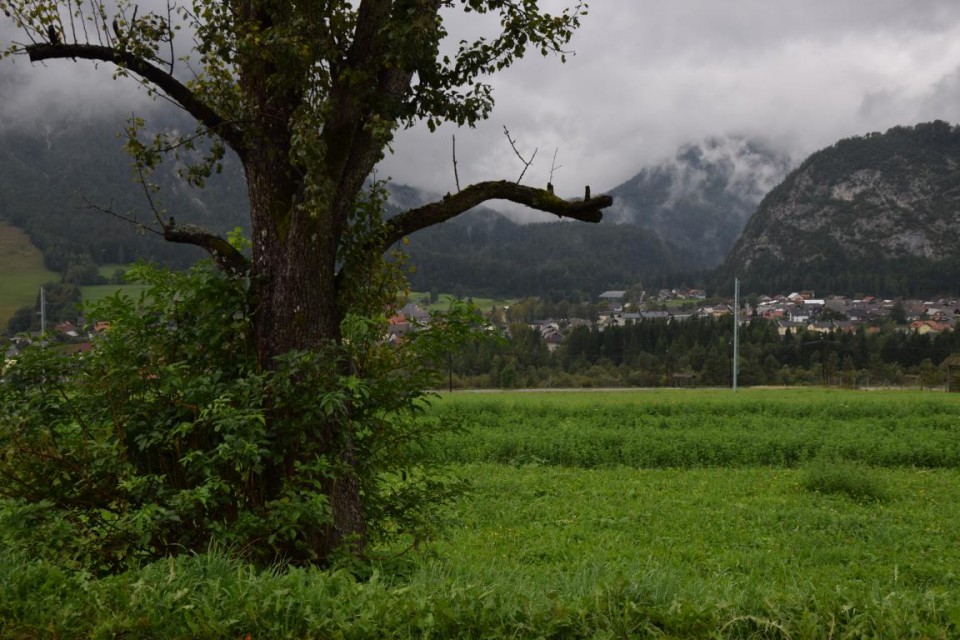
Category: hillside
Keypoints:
(21, 272)
(700, 199)
(680, 214)
(484, 253)
(876, 213)
(54, 174)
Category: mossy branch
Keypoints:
(227, 257)
(587, 210)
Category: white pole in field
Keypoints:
(43, 311)
(736, 331)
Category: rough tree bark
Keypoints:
(299, 209)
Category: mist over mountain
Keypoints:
(682, 214)
(700, 199)
(60, 173)
(877, 213)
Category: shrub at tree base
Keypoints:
(159, 439)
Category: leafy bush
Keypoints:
(159, 439)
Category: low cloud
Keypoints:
(648, 76)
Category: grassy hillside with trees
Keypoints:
(21, 272)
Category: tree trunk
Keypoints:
(293, 285)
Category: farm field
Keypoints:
(443, 301)
(571, 529)
(97, 292)
(21, 272)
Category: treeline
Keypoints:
(485, 254)
(907, 277)
(699, 352)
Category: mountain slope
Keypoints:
(484, 253)
(51, 174)
(684, 213)
(54, 175)
(700, 200)
(882, 209)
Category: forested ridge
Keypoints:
(57, 183)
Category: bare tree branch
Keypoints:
(227, 257)
(110, 211)
(172, 87)
(553, 167)
(589, 210)
(456, 176)
(513, 145)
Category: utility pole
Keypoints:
(736, 331)
(43, 311)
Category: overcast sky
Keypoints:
(650, 75)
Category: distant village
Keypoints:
(793, 313)
(799, 311)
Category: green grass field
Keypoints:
(97, 292)
(21, 272)
(443, 302)
(571, 531)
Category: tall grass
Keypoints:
(548, 552)
(689, 429)
(817, 546)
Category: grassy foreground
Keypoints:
(837, 544)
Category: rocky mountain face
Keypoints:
(700, 199)
(878, 206)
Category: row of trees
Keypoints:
(699, 351)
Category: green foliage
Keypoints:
(159, 439)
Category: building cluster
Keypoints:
(796, 312)
(793, 313)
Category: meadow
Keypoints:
(96, 292)
(663, 514)
(21, 272)
(443, 301)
